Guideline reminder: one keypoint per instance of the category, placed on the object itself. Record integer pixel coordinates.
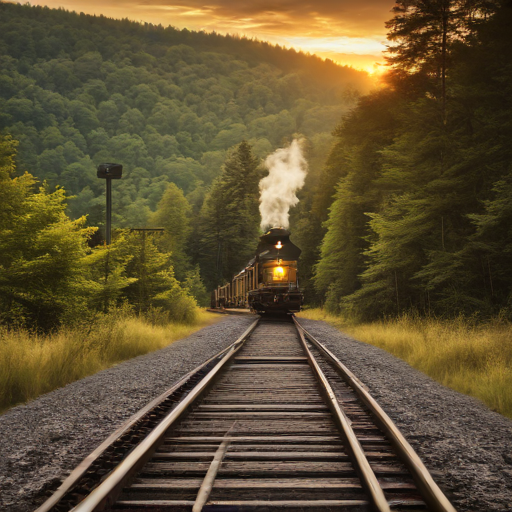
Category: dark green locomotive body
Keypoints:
(269, 282)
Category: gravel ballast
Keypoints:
(467, 447)
(43, 441)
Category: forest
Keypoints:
(407, 205)
(80, 90)
(172, 106)
(413, 210)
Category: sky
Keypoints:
(345, 31)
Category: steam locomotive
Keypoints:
(269, 282)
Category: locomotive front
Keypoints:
(278, 286)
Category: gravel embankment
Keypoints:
(466, 446)
(45, 439)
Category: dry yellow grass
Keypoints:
(475, 359)
(31, 365)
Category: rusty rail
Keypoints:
(432, 494)
(271, 425)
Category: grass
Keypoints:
(475, 359)
(31, 364)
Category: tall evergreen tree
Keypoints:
(173, 214)
(154, 284)
(42, 269)
(357, 159)
(229, 223)
(422, 33)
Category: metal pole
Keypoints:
(142, 301)
(109, 211)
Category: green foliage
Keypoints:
(228, 227)
(195, 286)
(331, 257)
(106, 266)
(154, 284)
(41, 251)
(173, 214)
(50, 277)
(80, 90)
(421, 216)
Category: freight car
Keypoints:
(269, 282)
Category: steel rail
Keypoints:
(362, 466)
(105, 494)
(430, 491)
(206, 487)
(75, 476)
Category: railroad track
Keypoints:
(273, 422)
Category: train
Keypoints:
(269, 282)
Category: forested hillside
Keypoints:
(79, 90)
(409, 210)
(422, 174)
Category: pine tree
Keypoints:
(357, 160)
(42, 251)
(195, 286)
(229, 224)
(423, 33)
(173, 214)
(154, 286)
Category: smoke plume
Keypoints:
(287, 172)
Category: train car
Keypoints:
(269, 282)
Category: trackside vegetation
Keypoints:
(32, 364)
(68, 309)
(413, 210)
(49, 274)
(406, 236)
(469, 357)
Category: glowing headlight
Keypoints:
(279, 272)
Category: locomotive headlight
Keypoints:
(279, 272)
(279, 245)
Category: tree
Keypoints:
(228, 228)
(41, 250)
(195, 286)
(347, 191)
(107, 278)
(154, 284)
(423, 33)
(173, 214)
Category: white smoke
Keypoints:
(287, 172)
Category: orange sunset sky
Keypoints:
(345, 31)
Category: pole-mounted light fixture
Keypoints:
(109, 172)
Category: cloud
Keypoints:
(339, 26)
(313, 19)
